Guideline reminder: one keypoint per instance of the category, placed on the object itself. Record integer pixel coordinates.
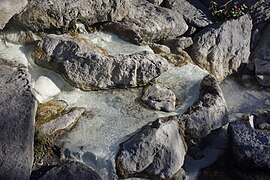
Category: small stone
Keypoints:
(159, 48)
(159, 98)
(64, 122)
(178, 43)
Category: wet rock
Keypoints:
(175, 44)
(159, 98)
(53, 14)
(72, 171)
(88, 67)
(17, 112)
(261, 59)
(208, 113)
(221, 49)
(9, 8)
(148, 22)
(195, 13)
(64, 122)
(250, 147)
(49, 110)
(156, 151)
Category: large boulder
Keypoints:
(148, 22)
(221, 48)
(195, 13)
(17, 112)
(54, 14)
(88, 67)
(8, 8)
(72, 171)
(250, 147)
(156, 151)
(208, 113)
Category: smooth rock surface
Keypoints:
(250, 147)
(208, 113)
(221, 49)
(71, 171)
(9, 8)
(156, 151)
(54, 14)
(17, 112)
(64, 122)
(89, 67)
(159, 98)
(148, 22)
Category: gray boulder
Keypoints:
(54, 14)
(208, 113)
(8, 8)
(261, 59)
(17, 112)
(195, 13)
(71, 171)
(88, 67)
(221, 48)
(148, 22)
(250, 147)
(156, 151)
(159, 98)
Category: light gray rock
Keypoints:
(88, 67)
(54, 14)
(195, 13)
(148, 22)
(250, 147)
(159, 98)
(8, 8)
(156, 151)
(64, 122)
(221, 49)
(17, 112)
(71, 171)
(182, 43)
(208, 113)
(156, 2)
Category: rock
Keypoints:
(8, 8)
(17, 112)
(53, 14)
(182, 43)
(64, 122)
(156, 2)
(159, 48)
(195, 13)
(250, 147)
(261, 59)
(221, 49)
(49, 110)
(88, 67)
(180, 59)
(159, 98)
(208, 113)
(148, 22)
(72, 171)
(156, 151)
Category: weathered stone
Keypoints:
(195, 13)
(180, 59)
(148, 22)
(159, 98)
(9, 8)
(221, 49)
(250, 147)
(88, 67)
(64, 122)
(156, 151)
(208, 113)
(156, 2)
(49, 110)
(182, 43)
(17, 112)
(53, 14)
(159, 48)
(72, 171)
